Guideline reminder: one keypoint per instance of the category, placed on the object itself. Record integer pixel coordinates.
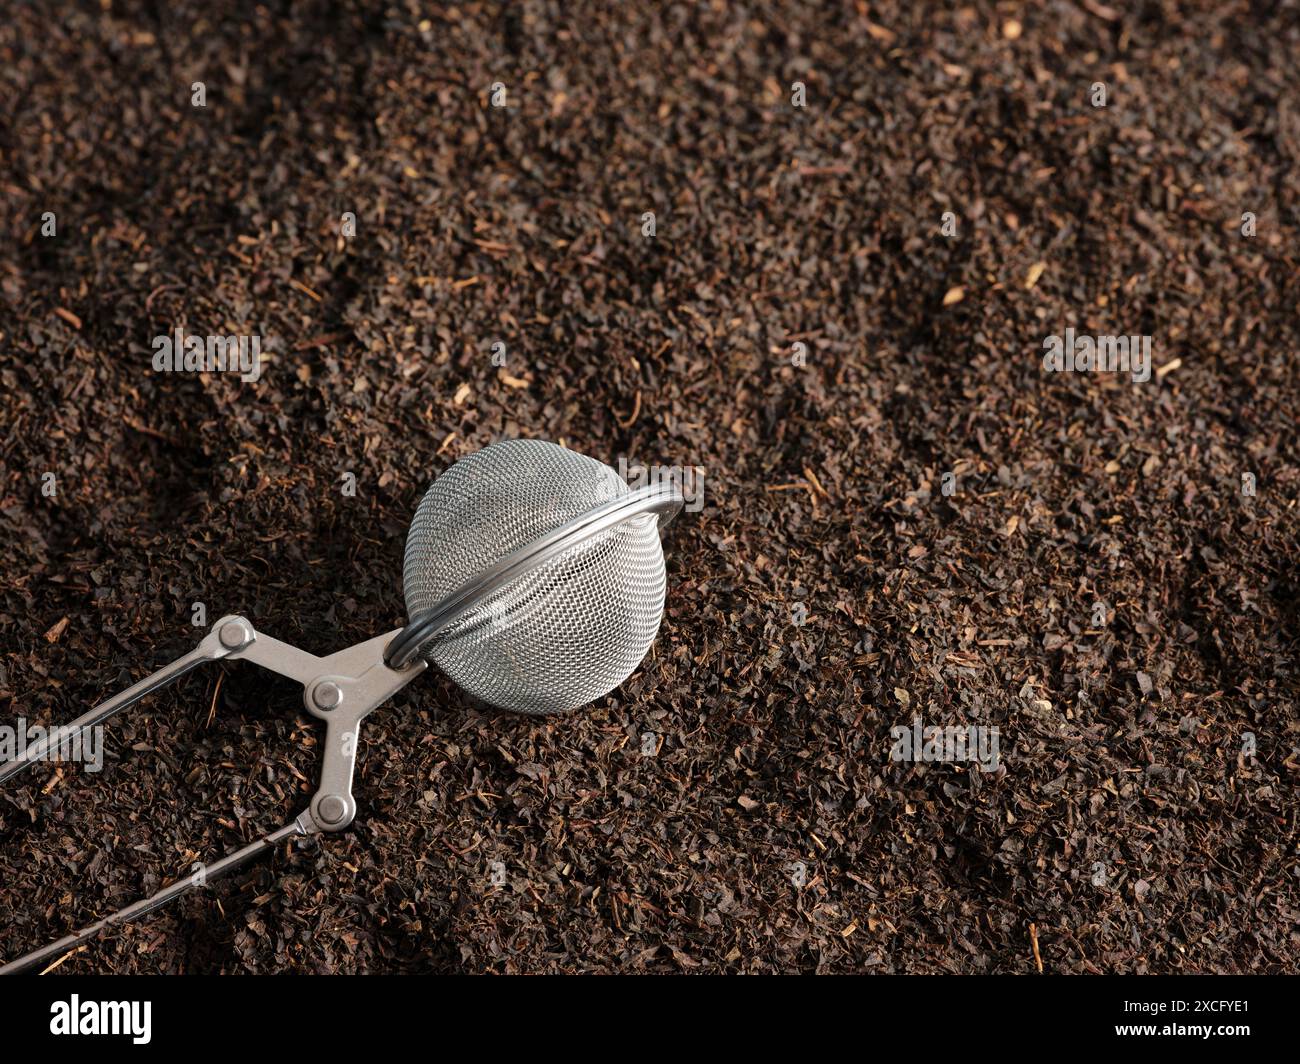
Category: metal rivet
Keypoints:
(233, 634)
(332, 809)
(327, 695)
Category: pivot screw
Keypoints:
(332, 809)
(234, 634)
(327, 695)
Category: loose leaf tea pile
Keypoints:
(814, 250)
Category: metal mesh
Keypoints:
(563, 634)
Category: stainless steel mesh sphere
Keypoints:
(563, 633)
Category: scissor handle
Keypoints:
(341, 689)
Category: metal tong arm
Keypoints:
(169, 893)
(341, 689)
(208, 650)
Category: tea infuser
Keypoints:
(533, 578)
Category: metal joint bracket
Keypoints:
(340, 689)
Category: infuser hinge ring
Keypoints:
(664, 500)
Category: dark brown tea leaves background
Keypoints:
(1124, 830)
